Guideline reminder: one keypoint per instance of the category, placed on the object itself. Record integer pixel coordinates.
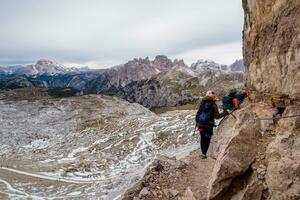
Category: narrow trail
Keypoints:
(198, 174)
(168, 178)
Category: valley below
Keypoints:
(85, 146)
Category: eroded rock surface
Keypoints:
(235, 158)
(272, 46)
(264, 161)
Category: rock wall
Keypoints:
(260, 159)
(257, 156)
(271, 46)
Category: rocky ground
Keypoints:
(169, 178)
(92, 145)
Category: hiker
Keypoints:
(207, 112)
(230, 101)
(242, 95)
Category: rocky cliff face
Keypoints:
(257, 159)
(258, 155)
(272, 46)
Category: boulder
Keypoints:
(235, 158)
(144, 192)
(227, 129)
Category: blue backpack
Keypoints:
(206, 115)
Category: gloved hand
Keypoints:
(197, 124)
(227, 112)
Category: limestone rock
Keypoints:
(263, 111)
(188, 195)
(224, 133)
(144, 192)
(271, 46)
(283, 171)
(253, 191)
(173, 192)
(235, 159)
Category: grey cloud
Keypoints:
(102, 31)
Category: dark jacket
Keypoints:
(216, 114)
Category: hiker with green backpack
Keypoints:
(230, 101)
(205, 120)
(233, 100)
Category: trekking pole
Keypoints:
(232, 114)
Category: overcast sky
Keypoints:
(103, 33)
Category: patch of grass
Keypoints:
(177, 88)
(62, 92)
(92, 123)
(197, 91)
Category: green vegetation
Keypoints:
(62, 92)
(189, 106)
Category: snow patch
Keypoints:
(38, 144)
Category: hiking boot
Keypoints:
(203, 156)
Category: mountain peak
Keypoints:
(45, 66)
(202, 64)
(238, 65)
(44, 62)
(162, 60)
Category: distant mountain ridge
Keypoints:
(238, 65)
(179, 84)
(42, 66)
(134, 70)
(48, 74)
(153, 83)
(202, 65)
(20, 82)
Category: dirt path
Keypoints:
(198, 173)
(168, 178)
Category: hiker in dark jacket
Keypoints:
(205, 119)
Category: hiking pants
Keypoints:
(206, 135)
